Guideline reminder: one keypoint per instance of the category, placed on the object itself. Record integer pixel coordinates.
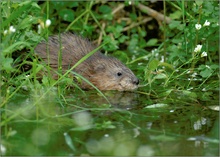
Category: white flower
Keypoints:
(194, 74)
(2, 149)
(145, 57)
(48, 22)
(140, 63)
(190, 88)
(39, 29)
(198, 26)
(204, 89)
(198, 48)
(207, 66)
(154, 51)
(204, 54)
(5, 32)
(207, 23)
(162, 59)
(12, 29)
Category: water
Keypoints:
(135, 124)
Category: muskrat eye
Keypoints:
(119, 73)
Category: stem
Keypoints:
(196, 41)
(184, 21)
(67, 29)
(164, 32)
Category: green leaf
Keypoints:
(202, 67)
(133, 43)
(121, 55)
(176, 15)
(167, 65)
(189, 94)
(163, 138)
(89, 29)
(73, 4)
(174, 24)
(177, 25)
(58, 5)
(107, 17)
(112, 44)
(6, 64)
(166, 93)
(67, 15)
(133, 16)
(214, 66)
(15, 46)
(35, 5)
(152, 42)
(18, 11)
(105, 9)
(45, 80)
(176, 41)
(119, 28)
(161, 76)
(27, 22)
(199, 2)
(123, 38)
(206, 73)
(69, 141)
(153, 64)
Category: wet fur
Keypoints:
(99, 69)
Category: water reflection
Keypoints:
(88, 125)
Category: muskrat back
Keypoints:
(106, 73)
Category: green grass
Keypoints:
(163, 56)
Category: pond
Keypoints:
(84, 123)
(171, 46)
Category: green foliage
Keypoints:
(169, 54)
(177, 62)
(17, 35)
(167, 58)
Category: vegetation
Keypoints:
(173, 51)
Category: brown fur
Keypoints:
(99, 69)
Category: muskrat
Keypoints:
(106, 73)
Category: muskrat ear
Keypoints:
(99, 67)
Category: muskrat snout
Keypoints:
(136, 81)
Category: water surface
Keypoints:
(86, 124)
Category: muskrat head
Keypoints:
(108, 73)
